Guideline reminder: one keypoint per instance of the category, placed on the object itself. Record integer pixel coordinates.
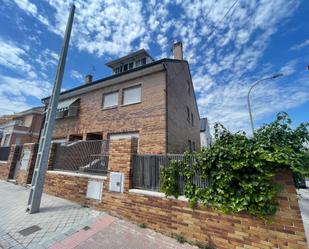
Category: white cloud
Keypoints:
(11, 56)
(223, 64)
(28, 81)
(76, 75)
(15, 91)
(300, 46)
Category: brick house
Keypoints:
(22, 127)
(151, 100)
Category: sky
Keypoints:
(229, 45)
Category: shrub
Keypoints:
(180, 238)
(240, 169)
(142, 225)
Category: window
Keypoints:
(125, 67)
(114, 136)
(131, 95)
(6, 140)
(137, 63)
(188, 114)
(188, 87)
(192, 119)
(143, 61)
(190, 145)
(131, 65)
(110, 100)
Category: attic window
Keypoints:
(125, 67)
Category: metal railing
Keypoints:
(98, 164)
(146, 172)
(83, 156)
(4, 153)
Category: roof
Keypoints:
(132, 55)
(116, 76)
(203, 124)
(34, 110)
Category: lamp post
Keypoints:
(248, 97)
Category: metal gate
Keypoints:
(146, 172)
(83, 156)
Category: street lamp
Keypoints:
(248, 97)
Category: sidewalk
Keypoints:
(62, 224)
(58, 219)
(304, 208)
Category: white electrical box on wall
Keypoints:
(95, 189)
(116, 181)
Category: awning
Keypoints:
(64, 105)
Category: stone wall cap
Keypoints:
(156, 194)
(76, 174)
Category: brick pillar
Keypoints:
(13, 158)
(120, 158)
(24, 174)
(52, 156)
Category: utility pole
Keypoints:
(38, 178)
(248, 97)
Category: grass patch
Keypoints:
(180, 238)
(142, 225)
(202, 245)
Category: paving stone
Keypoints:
(57, 215)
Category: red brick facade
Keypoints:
(160, 118)
(169, 216)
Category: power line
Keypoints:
(216, 25)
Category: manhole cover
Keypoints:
(29, 230)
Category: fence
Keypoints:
(146, 172)
(86, 156)
(4, 153)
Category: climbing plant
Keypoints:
(241, 169)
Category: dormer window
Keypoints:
(138, 63)
(125, 67)
(131, 61)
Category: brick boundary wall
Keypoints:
(171, 216)
(4, 170)
(24, 177)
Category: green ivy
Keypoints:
(240, 169)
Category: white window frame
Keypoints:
(131, 88)
(110, 106)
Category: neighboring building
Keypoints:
(151, 100)
(23, 127)
(206, 139)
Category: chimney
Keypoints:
(88, 79)
(177, 51)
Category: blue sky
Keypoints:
(256, 39)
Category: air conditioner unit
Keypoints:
(116, 181)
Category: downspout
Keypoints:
(166, 109)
